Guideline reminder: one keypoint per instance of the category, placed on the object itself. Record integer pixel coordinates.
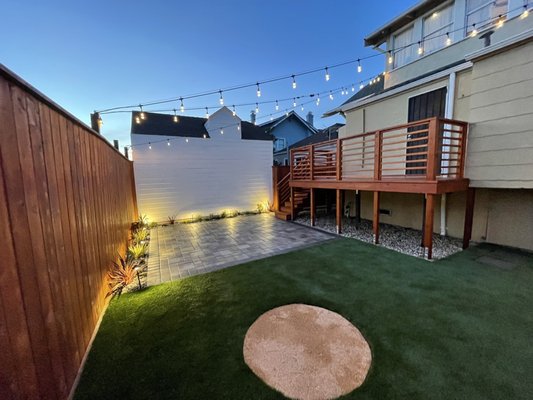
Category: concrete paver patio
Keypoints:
(182, 250)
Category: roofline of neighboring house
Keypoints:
(283, 118)
(400, 89)
(379, 36)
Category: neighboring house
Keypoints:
(197, 166)
(485, 79)
(323, 135)
(287, 130)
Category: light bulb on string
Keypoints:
(390, 57)
(318, 101)
(378, 78)
(327, 74)
(353, 87)
(205, 136)
(234, 112)
(286, 113)
(359, 67)
(294, 102)
(271, 118)
(361, 85)
(420, 49)
(258, 90)
(239, 127)
(448, 39)
(207, 112)
(137, 120)
(302, 107)
(168, 142)
(221, 131)
(221, 100)
(256, 108)
(186, 140)
(175, 116)
(293, 82)
(277, 105)
(149, 145)
(330, 95)
(182, 108)
(500, 22)
(474, 31)
(525, 14)
(143, 116)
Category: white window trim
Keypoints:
(488, 24)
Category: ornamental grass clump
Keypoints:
(121, 275)
(140, 236)
(137, 250)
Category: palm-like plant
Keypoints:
(137, 250)
(140, 235)
(122, 273)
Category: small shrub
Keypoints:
(142, 222)
(172, 219)
(260, 208)
(137, 250)
(270, 206)
(140, 235)
(121, 275)
(153, 225)
(223, 214)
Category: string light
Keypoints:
(234, 111)
(239, 127)
(327, 74)
(205, 136)
(474, 31)
(293, 82)
(207, 112)
(330, 95)
(256, 108)
(277, 105)
(182, 108)
(142, 112)
(500, 22)
(221, 100)
(420, 49)
(448, 39)
(294, 102)
(168, 142)
(359, 67)
(302, 107)
(361, 85)
(137, 120)
(149, 145)
(525, 14)
(390, 57)
(258, 90)
(286, 113)
(175, 116)
(271, 117)
(378, 78)
(222, 131)
(186, 140)
(353, 87)
(318, 101)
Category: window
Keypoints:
(403, 54)
(435, 28)
(279, 144)
(483, 13)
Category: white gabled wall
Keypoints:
(202, 176)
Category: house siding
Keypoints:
(202, 176)
(500, 146)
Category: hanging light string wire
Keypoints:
(357, 61)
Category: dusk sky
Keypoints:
(95, 55)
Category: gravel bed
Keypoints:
(403, 240)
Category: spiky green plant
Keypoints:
(142, 221)
(137, 250)
(172, 219)
(140, 235)
(121, 274)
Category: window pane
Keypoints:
(483, 12)
(435, 28)
(403, 55)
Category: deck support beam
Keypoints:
(423, 241)
(313, 206)
(338, 211)
(357, 208)
(375, 219)
(428, 225)
(469, 216)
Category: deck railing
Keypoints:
(428, 149)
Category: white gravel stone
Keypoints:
(404, 240)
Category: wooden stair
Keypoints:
(300, 198)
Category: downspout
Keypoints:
(450, 103)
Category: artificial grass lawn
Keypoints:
(453, 329)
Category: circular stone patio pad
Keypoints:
(307, 352)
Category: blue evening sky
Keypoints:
(100, 54)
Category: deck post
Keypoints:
(338, 211)
(357, 208)
(469, 216)
(313, 206)
(292, 203)
(423, 241)
(375, 219)
(428, 224)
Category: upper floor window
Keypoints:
(279, 144)
(435, 28)
(480, 13)
(403, 50)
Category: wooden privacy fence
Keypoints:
(67, 200)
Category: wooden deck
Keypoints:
(425, 156)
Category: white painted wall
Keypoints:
(202, 176)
